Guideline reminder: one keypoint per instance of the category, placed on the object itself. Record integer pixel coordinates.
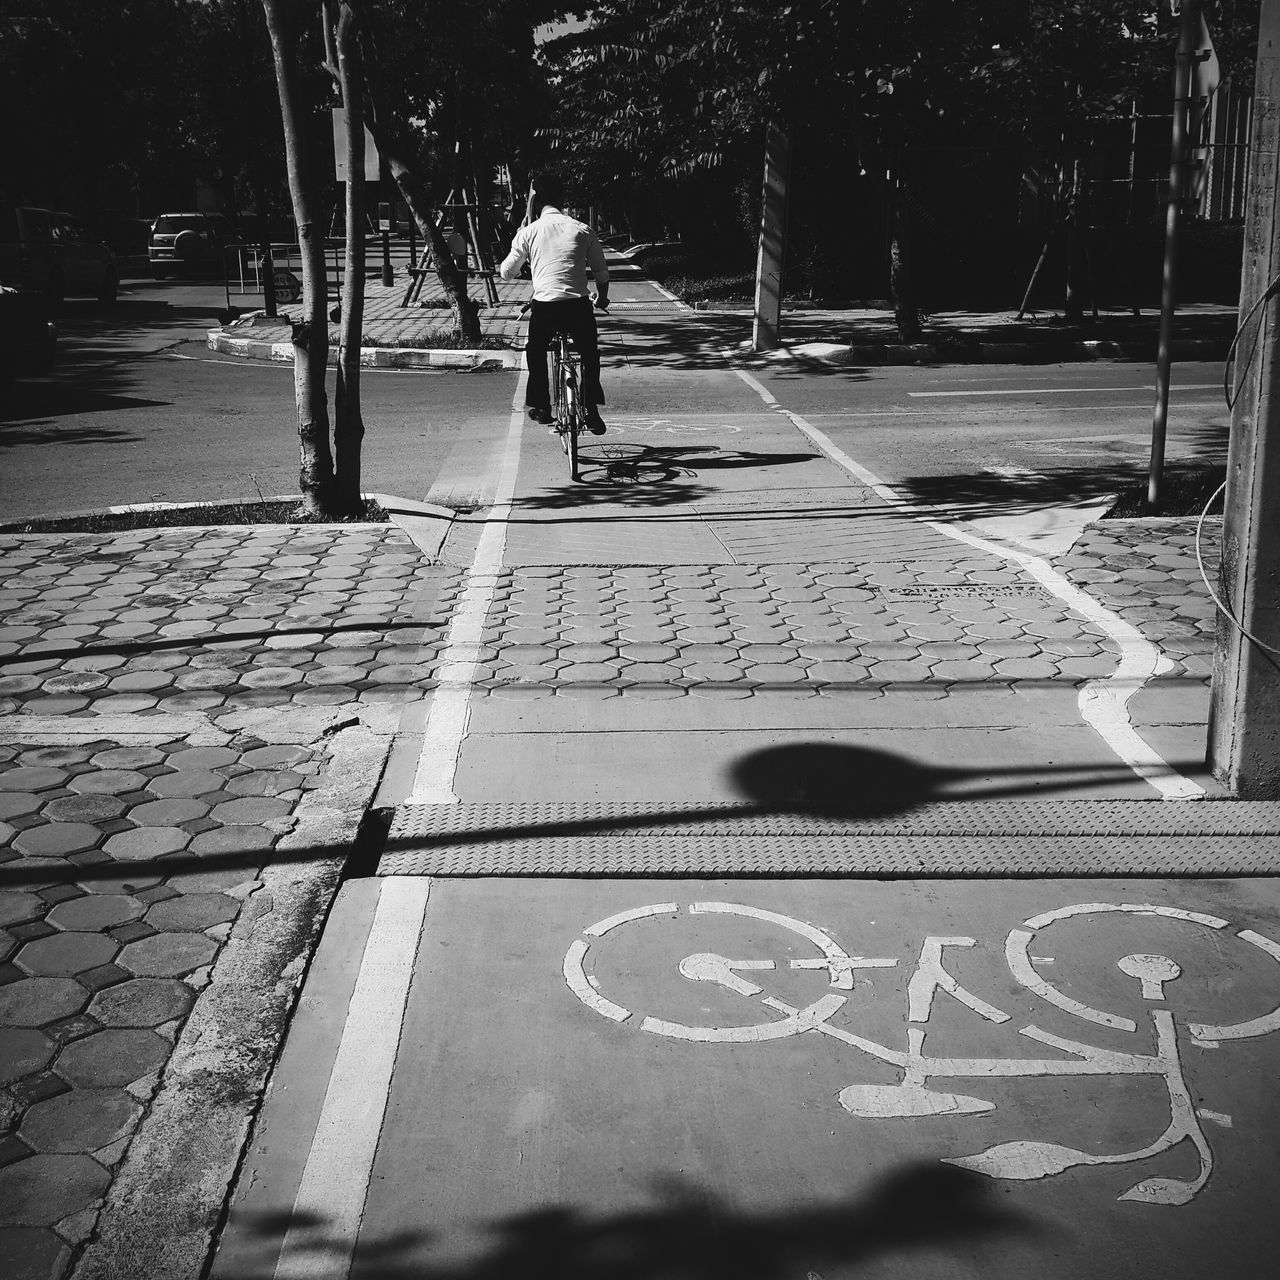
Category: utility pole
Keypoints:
(1244, 717)
(773, 241)
(1188, 35)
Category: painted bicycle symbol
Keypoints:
(913, 1096)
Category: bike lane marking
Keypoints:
(450, 709)
(912, 1098)
(336, 1176)
(1103, 703)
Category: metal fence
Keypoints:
(245, 269)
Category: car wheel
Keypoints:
(56, 289)
(110, 286)
(187, 246)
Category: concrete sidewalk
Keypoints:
(397, 336)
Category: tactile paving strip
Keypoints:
(1008, 838)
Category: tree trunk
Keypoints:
(348, 427)
(466, 311)
(398, 155)
(906, 312)
(311, 333)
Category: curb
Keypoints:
(370, 357)
(164, 1206)
(947, 351)
(960, 351)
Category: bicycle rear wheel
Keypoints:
(572, 423)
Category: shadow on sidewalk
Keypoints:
(986, 493)
(821, 779)
(689, 1233)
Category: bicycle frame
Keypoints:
(566, 398)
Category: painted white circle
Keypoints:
(793, 1022)
(1018, 957)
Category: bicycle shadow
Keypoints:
(645, 475)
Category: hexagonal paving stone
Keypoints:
(56, 839)
(31, 779)
(250, 810)
(33, 1002)
(111, 1057)
(96, 911)
(17, 907)
(192, 911)
(202, 757)
(168, 813)
(108, 782)
(186, 782)
(32, 1253)
(89, 808)
(56, 756)
(142, 1002)
(146, 842)
(167, 955)
(128, 758)
(80, 1120)
(23, 1051)
(64, 954)
(44, 1189)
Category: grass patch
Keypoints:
(698, 277)
(445, 340)
(1185, 493)
(229, 513)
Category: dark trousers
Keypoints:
(577, 318)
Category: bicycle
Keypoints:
(568, 412)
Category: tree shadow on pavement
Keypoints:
(699, 340)
(689, 1233)
(985, 493)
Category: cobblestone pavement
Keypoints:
(1148, 573)
(200, 620)
(730, 631)
(129, 845)
(110, 929)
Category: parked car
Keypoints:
(52, 252)
(28, 334)
(189, 242)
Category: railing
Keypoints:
(245, 270)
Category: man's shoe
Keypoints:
(538, 415)
(595, 424)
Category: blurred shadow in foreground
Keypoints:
(688, 1235)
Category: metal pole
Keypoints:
(1188, 33)
(1244, 712)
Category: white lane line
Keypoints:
(450, 708)
(1103, 703)
(1061, 391)
(335, 1179)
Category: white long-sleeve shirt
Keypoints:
(559, 249)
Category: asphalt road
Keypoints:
(139, 410)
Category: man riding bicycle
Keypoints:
(559, 249)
